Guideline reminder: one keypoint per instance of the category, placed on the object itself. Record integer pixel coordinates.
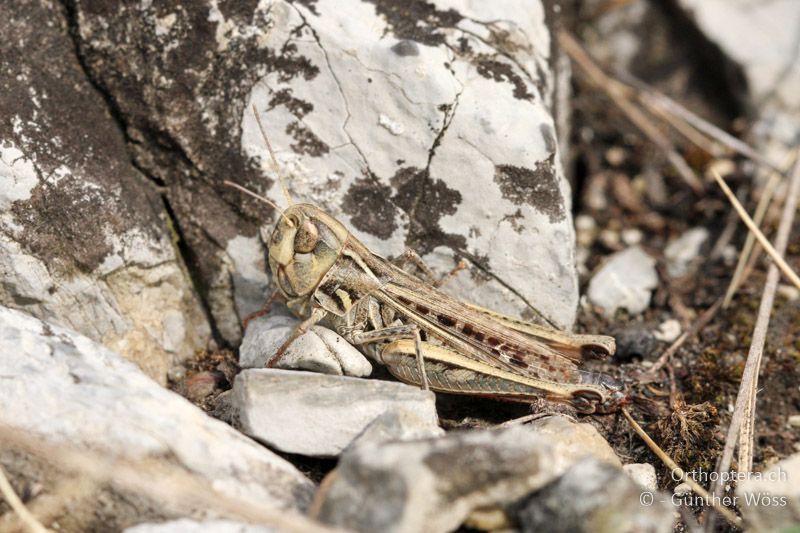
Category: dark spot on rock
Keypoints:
(311, 5)
(289, 64)
(500, 71)
(514, 219)
(298, 108)
(406, 48)
(369, 205)
(400, 162)
(238, 10)
(426, 201)
(416, 20)
(369, 80)
(465, 468)
(445, 108)
(537, 187)
(307, 141)
(463, 45)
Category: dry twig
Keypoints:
(620, 95)
(16, 504)
(743, 414)
(776, 257)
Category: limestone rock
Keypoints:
(600, 499)
(574, 440)
(66, 389)
(83, 238)
(432, 485)
(320, 415)
(427, 127)
(185, 525)
(684, 251)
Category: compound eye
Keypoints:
(307, 238)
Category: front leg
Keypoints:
(317, 314)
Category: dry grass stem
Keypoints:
(182, 490)
(743, 414)
(729, 515)
(620, 95)
(776, 257)
(16, 504)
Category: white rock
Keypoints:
(625, 281)
(320, 415)
(68, 389)
(404, 126)
(681, 252)
(185, 525)
(642, 473)
(794, 421)
(318, 350)
(432, 485)
(757, 37)
(790, 292)
(668, 331)
(770, 500)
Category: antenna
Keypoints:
(272, 155)
(259, 197)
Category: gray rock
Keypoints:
(394, 426)
(318, 350)
(433, 485)
(185, 525)
(377, 115)
(770, 500)
(320, 415)
(68, 390)
(84, 241)
(625, 281)
(683, 251)
(593, 496)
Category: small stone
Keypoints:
(794, 421)
(632, 236)
(668, 331)
(202, 384)
(625, 281)
(320, 415)
(644, 474)
(634, 341)
(770, 500)
(318, 350)
(723, 167)
(433, 485)
(682, 489)
(682, 252)
(610, 239)
(593, 496)
(789, 292)
(585, 230)
(574, 440)
(616, 155)
(393, 426)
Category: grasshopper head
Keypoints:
(304, 245)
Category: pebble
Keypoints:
(794, 421)
(625, 281)
(682, 252)
(642, 473)
(668, 331)
(318, 350)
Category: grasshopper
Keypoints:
(422, 335)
